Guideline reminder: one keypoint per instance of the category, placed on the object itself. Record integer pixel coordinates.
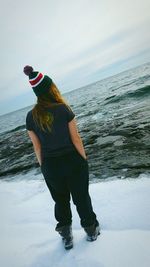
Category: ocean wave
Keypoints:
(143, 79)
(139, 93)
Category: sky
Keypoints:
(74, 42)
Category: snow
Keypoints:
(27, 225)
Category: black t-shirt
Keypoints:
(58, 141)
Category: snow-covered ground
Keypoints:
(27, 223)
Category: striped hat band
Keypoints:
(36, 80)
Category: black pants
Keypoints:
(67, 175)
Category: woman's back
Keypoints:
(58, 141)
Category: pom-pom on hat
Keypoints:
(40, 83)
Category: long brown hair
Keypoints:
(42, 117)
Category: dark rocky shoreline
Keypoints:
(112, 149)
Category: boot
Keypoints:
(66, 234)
(92, 231)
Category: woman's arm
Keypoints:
(36, 145)
(75, 137)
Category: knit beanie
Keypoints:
(40, 83)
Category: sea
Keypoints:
(113, 118)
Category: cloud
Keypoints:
(68, 39)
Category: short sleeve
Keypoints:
(29, 125)
(69, 113)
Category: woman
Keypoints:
(59, 150)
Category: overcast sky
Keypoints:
(74, 42)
